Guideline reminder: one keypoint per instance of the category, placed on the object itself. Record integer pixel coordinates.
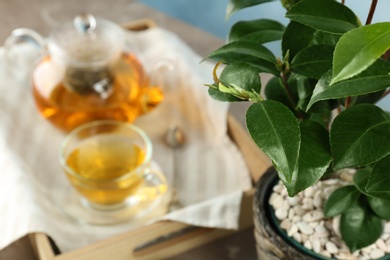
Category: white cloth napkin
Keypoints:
(211, 171)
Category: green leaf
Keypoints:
(324, 15)
(248, 52)
(380, 206)
(276, 131)
(240, 74)
(358, 49)
(300, 152)
(340, 200)
(370, 98)
(357, 220)
(274, 90)
(360, 136)
(224, 97)
(360, 179)
(313, 61)
(379, 180)
(374, 79)
(236, 5)
(260, 31)
(314, 157)
(307, 36)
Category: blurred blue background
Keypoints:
(209, 15)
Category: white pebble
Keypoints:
(293, 229)
(381, 245)
(297, 236)
(296, 219)
(325, 253)
(307, 203)
(317, 201)
(376, 253)
(307, 244)
(293, 200)
(281, 213)
(299, 211)
(308, 217)
(317, 215)
(304, 237)
(345, 256)
(291, 213)
(285, 224)
(309, 192)
(321, 231)
(385, 236)
(387, 227)
(305, 228)
(331, 182)
(276, 201)
(313, 224)
(331, 248)
(316, 245)
(278, 188)
(336, 225)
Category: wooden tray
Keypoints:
(167, 238)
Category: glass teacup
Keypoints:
(109, 164)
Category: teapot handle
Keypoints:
(16, 62)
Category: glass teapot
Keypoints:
(86, 73)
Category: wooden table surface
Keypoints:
(34, 15)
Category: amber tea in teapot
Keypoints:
(119, 96)
(88, 74)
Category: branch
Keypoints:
(371, 12)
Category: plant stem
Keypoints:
(290, 96)
(348, 101)
(371, 12)
(386, 93)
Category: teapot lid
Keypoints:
(87, 41)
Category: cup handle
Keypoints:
(155, 185)
(17, 37)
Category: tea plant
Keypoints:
(318, 114)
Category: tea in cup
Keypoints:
(109, 164)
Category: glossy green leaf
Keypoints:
(276, 131)
(248, 52)
(360, 179)
(300, 152)
(241, 74)
(324, 15)
(307, 36)
(314, 157)
(360, 136)
(359, 219)
(220, 96)
(370, 98)
(379, 180)
(236, 5)
(340, 200)
(260, 31)
(274, 90)
(313, 61)
(374, 79)
(358, 49)
(380, 206)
